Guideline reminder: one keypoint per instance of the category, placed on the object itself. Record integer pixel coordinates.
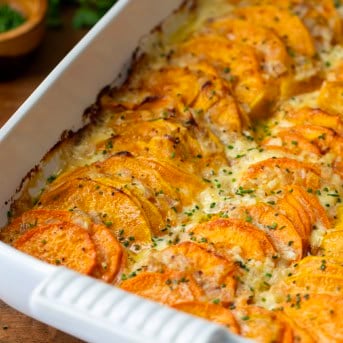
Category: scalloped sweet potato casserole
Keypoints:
(212, 180)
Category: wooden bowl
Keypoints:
(17, 44)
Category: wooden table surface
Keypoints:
(16, 327)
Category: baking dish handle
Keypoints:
(97, 312)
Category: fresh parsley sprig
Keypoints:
(87, 14)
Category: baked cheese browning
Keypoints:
(168, 288)
(211, 180)
(215, 274)
(60, 244)
(212, 312)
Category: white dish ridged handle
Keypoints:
(97, 312)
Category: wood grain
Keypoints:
(14, 326)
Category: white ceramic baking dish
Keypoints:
(79, 305)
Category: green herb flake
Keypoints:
(10, 18)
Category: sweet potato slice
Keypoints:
(31, 219)
(213, 273)
(303, 214)
(60, 244)
(97, 172)
(129, 169)
(262, 325)
(188, 185)
(311, 205)
(320, 265)
(299, 335)
(275, 173)
(185, 145)
(315, 283)
(317, 117)
(217, 107)
(332, 244)
(226, 234)
(287, 26)
(168, 288)
(286, 208)
(248, 84)
(214, 313)
(331, 97)
(319, 136)
(320, 17)
(178, 85)
(319, 314)
(264, 40)
(109, 253)
(293, 143)
(151, 212)
(161, 139)
(120, 212)
(278, 228)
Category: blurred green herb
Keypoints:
(9, 18)
(88, 12)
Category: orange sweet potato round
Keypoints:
(262, 325)
(264, 40)
(225, 234)
(109, 253)
(60, 244)
(286, 25)
(121, 212)
(249, 86)
(278, 228)
(319, 314)
(332, 244)
(168, 288)
(212, 312)
(213, 273)
(291, 212)
(31, 219)
(275, 173)
(317, 117)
